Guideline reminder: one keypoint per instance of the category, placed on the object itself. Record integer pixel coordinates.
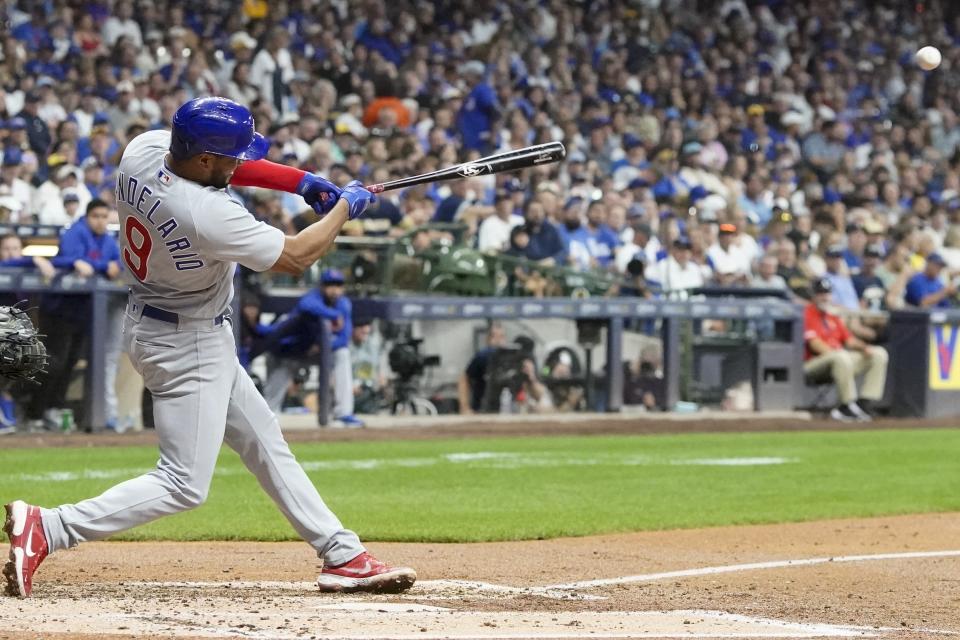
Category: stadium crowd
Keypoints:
(737, 142)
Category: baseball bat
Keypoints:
(498, 163)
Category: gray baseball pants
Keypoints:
(202, 397)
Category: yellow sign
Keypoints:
(944, 359)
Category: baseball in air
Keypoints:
(929, 58)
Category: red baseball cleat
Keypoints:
(28, 547)
(366, 573)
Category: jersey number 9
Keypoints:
(137, 249)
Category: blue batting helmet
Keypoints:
(216, 125)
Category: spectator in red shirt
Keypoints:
(833, 353)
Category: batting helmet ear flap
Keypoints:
(216, 125)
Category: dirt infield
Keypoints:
(904, 584)
(890, 577)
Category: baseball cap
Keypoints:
(32, 96)
(707, 216)
(665, 154)
(853, 227)
(332, 276)
(822, 285)
(350, 100)
(643, 228)
(65, 171)
(728, 228)
(242, 40)
(631, 141)
(691, 148)
(514, 185)
(125, 86)
(791, 118)
(683, 242)
(698, 193)
(638, 183)
(473, 66)
(874, 251)
(450, 93)
(56, 160)
(755, 110)
(70, 195)
(835, 251)
(936, 258)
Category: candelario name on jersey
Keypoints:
(140, 197)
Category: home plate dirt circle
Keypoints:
(896, 577)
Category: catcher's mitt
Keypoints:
(22, 355)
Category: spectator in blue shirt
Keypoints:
(11, 255)
(450, 206)
(33, 33)
(546, 245)
(856, 244)
(575, 235)
(295, 341)
(480, 110)
(844, 293)
(603, 241)
(927, 290)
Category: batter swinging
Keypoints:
(181, 237)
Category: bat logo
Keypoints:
(470, 170)
(544, 156)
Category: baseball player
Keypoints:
(181, 237)
(296, 335)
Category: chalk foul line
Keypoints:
(751, 566)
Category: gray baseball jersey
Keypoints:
(181, 241)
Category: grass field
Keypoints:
(522, 488)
